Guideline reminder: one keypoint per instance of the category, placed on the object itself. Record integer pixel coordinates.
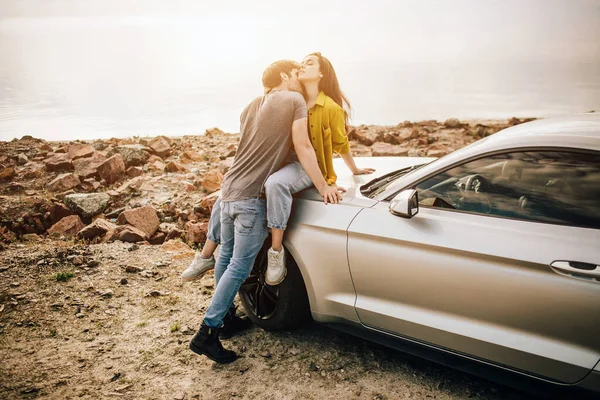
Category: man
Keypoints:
(271, 125)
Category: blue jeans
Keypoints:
(214, 224)
(279, 189)
(243, 232)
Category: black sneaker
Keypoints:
(232, 324)
(206, 342)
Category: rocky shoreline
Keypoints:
(151, 190)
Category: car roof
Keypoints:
(571, 131)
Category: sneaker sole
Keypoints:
(201, 353)
(278, 282)
(195, 277)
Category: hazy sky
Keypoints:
(125, 64)
(368, 29)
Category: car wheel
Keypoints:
(284, 306)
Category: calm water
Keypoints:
(82, 70)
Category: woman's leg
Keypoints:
(214, 231)
(279, 189)
(205, 261)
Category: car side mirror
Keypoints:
(405, 204)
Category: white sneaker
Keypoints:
(276, 270)
(197, 268)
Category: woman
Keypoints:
(327, 120)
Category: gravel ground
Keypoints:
(114, 321)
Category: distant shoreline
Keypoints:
(464, 122)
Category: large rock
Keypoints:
(157, 166)
(212, 180)
(132, 184)
(391, 138)
(58, 211)
(87, 205)
(367, 137)
(143, 218)
(157, 238)
(32, 174)
(452, 123)
(46, 148)
(22, 159)
(360, 150)
(386, 149)
(112, 169)
(80, 150)
(196, 232)
(97, 228)
(161, 146)
(407, 134)
(88, 167)
(90, 185)
(133, 154)
(58, 163)
(68, 226)
(176, 167)
(133, 172)
(174, 233)
(6, 174)
(154, 158)
(206, 204)
(99, 145)
(191, 156)
(125, 233)
(212, 132)
(6, 236)
(63, 182)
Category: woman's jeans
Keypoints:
(214, 224)
(279, 189)
(243, 231)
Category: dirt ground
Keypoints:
(119, 327)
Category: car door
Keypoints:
(499, 264)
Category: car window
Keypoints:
(556, 187)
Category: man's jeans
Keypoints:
(243, 231)
(279, 189)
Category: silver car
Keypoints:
(490, 254)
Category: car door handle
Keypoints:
(577, 268)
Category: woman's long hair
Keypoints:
(330, 85)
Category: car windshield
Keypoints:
(377, 185)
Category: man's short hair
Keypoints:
(271, 77)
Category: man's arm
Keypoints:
(308, 159)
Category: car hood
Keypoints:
(352, 183)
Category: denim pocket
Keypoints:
(246, 217)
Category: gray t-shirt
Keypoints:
(265, 145)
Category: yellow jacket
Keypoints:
(327, 130)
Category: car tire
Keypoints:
(291, 308)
